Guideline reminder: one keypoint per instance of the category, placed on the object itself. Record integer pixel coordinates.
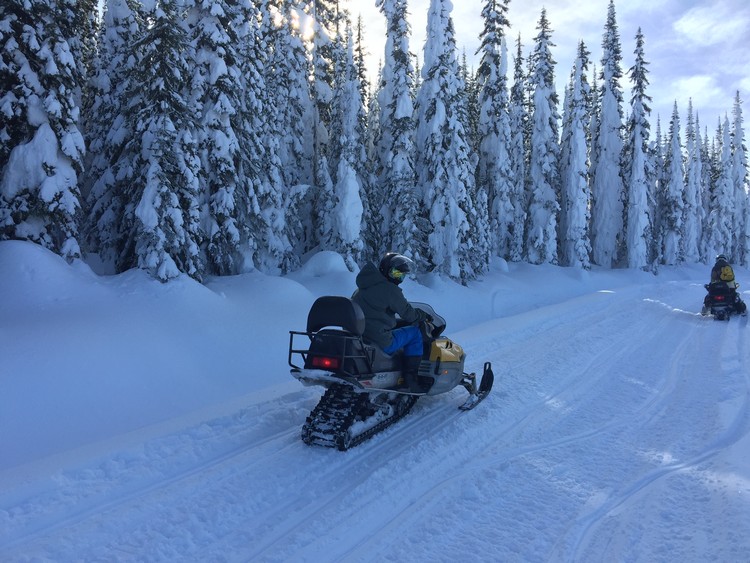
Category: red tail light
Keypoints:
(324, 362)
(719, 297)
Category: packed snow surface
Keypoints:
(142, 421)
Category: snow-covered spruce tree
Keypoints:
(360, 54)
(108, 130)
(291, 112)
(741, 249)
(709, 158)
(575, 195)
(637, 166)
(693, 214)
(368, 128)
(322, 206)
(544, 207)
(41, 147)
(564, 158)
(373, 197)
(444, 165)
(367, 165)
(470, 102)
(161, 220)
(216, 99)
(721, 218)
(339, 63)
(711, 153)
(273, 251)
(398, 212)
(518, 119)
(287, 75)
(656, 196)
(79, 26)
(704, 181)
(479, 222)
(593, 132)
(495, 173)
(347, 120)
(607, 191)
(320, 196)
(325, 15)
(674, 196)
(417, 77)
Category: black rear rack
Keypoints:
(349, 341)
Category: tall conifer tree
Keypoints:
(673, 196)
(398, 212)
(494, 173)
(544, 207)
(41, 146)
(607, 190)
(518, 116)
(575, 195)
(325, 37)
(444, 164)
(109, 130)
(704, 180)
(740, 181)
(637, 166)
(721, 217)
(350, 166)
(162, 231)
(657, 196)
(693, 215)
(216, 100)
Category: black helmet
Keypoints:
(395, 267)
(721, 257)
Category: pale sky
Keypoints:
(697, 49)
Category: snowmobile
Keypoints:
(721, 301)
(365, 393)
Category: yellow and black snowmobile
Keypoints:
(365, 391)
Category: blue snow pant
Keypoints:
(409, 338)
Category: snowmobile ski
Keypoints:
(476, 396)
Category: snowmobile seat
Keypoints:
(333, 310)
(720, 288)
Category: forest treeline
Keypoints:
(213, 137)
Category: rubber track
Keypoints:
(339, 408)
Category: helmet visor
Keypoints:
(397, 274)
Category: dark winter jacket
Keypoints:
(381, 300)
(722, 272)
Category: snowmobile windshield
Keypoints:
(437, 320)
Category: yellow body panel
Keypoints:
(445, 350)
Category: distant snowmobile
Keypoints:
(364, 391)
(721, 301)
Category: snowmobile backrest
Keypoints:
(332, 310)
(719, 288)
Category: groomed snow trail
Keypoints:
(606, 437)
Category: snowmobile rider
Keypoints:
(722, 273)
(380, 297)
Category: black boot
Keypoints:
(411, 373)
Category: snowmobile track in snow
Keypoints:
(89, 506)
(585, 526)
(428, 415)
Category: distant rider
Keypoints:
(381, 299)
(722, 275)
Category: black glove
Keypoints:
(428, 330)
